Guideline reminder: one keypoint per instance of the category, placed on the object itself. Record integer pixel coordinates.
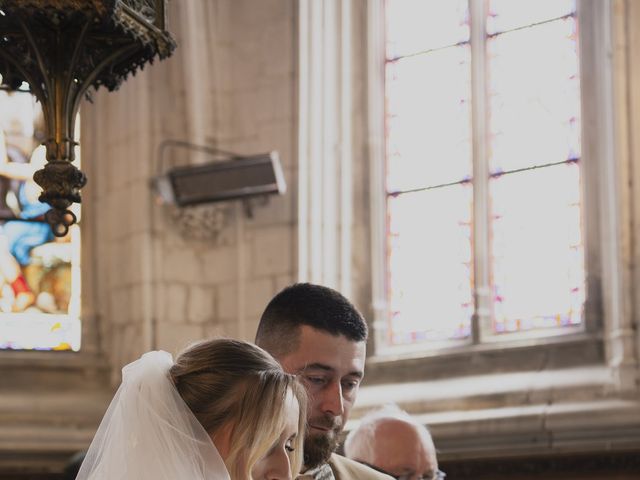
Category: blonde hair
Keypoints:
(226, 381)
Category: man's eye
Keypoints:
(350, 385)
(315, 380)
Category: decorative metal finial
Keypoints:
(61, 48)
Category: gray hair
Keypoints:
(359, 443)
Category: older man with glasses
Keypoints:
(392, 442)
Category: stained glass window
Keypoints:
(507, 15)
(39, 273)
(524, 183)
(429, 140)
(417, 26)
(430, 264)
(428, 75)
(534, 94)
(537, 254)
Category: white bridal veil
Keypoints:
(149, 432)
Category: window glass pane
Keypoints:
(430, 265)
(534, 96)
(418, 25)
(429, 119)
(39, 274)
(509, 14)
(537, 249)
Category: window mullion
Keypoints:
(481, 321)
(376, 105)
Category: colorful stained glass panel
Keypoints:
(509, 14)
(537, 250)
(39, 273)
(429, 119)
(430, 265)
(534, 96)
(415, 26)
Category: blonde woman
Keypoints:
(224, 410)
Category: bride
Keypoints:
(224, 410)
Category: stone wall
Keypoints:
(231, 85)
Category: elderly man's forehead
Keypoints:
(401, 446)
(401, 431)
(393, 426)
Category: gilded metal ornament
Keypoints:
(61, 48)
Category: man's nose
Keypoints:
(332, 401)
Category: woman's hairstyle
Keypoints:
(233, 382)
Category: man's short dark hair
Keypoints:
(316, 306)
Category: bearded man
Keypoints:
(317, 334)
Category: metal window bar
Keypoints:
(529, 25)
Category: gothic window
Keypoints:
(39, 273)
(483, 172)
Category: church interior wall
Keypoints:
(147, 284)
(154, 281)
(172, 285)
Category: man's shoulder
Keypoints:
(346, 469)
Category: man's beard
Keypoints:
(318, 447)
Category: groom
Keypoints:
(317, 334)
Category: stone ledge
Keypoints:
(491, 391)
(41, 449)
(50, 406)
(542, 412)
(621, 465)
(609, 425)
(69, 409)
(532, 354)
(49, 359)
(28, 372)
(32, 439)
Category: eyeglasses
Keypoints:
(438, 475)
